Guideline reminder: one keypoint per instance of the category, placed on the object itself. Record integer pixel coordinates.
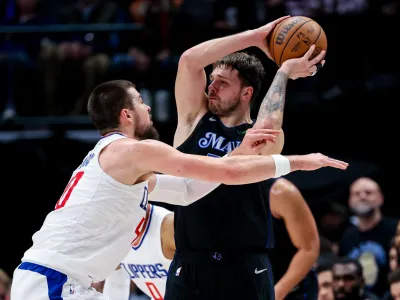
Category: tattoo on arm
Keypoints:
(274, 101)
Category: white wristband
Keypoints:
(282, 165)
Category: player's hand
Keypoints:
(261, 35)
(255, 140)
(303, 66)
(316, 161)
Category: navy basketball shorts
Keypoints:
(219, 275)
(307, 289)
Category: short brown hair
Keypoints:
(250, 68)
(106, 102)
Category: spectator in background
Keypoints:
(348, 281)
(18, 59)
(369, 239)
(325, 281)
(394, 284)
(332, 221)
(5, 285)
(145, 57)
(80, 59)
(393, 256)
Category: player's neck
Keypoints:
(365, 224)
(114, 132)
(236, 118)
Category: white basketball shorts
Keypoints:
(35, 282)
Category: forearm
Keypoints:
(270, 114)
(179, 191)
(299, 267)
(256, 168)
(210, 51)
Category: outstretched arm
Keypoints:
(288, 203)
(270, 114)
(150, 156)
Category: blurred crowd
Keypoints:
(52, 73)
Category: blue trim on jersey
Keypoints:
(55, 279)
(147, 229)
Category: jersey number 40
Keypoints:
(68, 190)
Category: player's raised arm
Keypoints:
(287, 203)
(156, 156)
(270, 114)
(191, 79)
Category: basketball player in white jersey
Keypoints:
(103, 207)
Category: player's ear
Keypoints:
(247, 93)
(126, 114)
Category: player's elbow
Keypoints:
(313, 248)
(270, 122)
(189, 60)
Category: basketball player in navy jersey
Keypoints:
(222, 242)
(296, 243)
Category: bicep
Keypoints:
(189, 92)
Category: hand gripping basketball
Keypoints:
(261, 34)
(303, 66)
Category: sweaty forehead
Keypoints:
(225, 71)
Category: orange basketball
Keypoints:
(294, 36)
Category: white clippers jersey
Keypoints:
(94, 222)
(146, 263)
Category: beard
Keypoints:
(353, 294)
(363, 210)
(216, 108)
(150, 133)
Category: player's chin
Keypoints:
(215, 109)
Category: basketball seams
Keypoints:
(288, 39)
(273, 40)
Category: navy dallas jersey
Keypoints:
(232, 217)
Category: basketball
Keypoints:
(293, 37)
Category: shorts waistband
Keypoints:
(215, 256)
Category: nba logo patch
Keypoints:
(71, 289)
(178, 271)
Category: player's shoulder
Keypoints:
(133, 146)
(283, 186)
(158, 214)
(159, 210)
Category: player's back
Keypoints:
(146, 263)
(93, 224)
(231, 217)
